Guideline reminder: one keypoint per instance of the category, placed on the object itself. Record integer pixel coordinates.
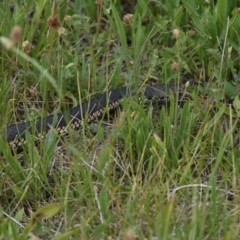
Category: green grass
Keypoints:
(168, 173)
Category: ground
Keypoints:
(169, 172)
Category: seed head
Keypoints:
(176, 33)
(207, 3)
(67, 18)
(191, 33)
(53, 22)
(175, 66)
(62, 31)
(128, 19)
(27, 46)
(16, 34)
(187, 84)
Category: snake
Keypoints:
(89, 111)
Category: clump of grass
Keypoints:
(166, 173)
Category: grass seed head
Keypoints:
(67, 18)
(16, 34)
(191, 33)
(207, 3)
(128, 19)
(175, 66)
(62, 31)
(27, 46)
(176, 33)
(53, 22)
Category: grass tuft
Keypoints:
(169, 172)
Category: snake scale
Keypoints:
(90, 111)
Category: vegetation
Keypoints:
(168, 173)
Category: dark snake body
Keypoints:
(89, 111)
